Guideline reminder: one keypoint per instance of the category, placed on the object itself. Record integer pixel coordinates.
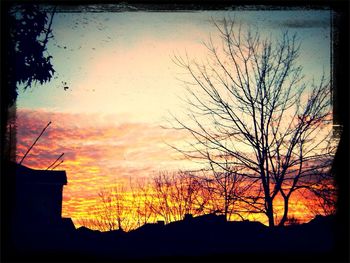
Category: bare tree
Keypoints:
(322, 197)
(120, 207)
(249, 101)
(221, 189)
(226, 182)
(185, 194)
(175, 194)
(112, 211)
(161, 200)
(141, 202)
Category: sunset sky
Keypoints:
(123, 85)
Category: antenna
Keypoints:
(57, 165)
(34, 142)
(55, 162)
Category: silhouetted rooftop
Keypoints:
(33, 176)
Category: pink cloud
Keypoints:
(98, 151)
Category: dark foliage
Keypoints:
(29, 30)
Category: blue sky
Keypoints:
(137, 50)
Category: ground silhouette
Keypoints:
(43, 235)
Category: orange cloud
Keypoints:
(98, 151)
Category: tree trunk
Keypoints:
(226, 205)
(226, 211)
(269, 212)
(120, 224)
(285, 213)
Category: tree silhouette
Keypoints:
(170, 197)
(249, 102)
(115, 207)
(323, 199)
(141, 202)
(27, 32)
(174, 195)
(226, 187)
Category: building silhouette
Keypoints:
(38, 200)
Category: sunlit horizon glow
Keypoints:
(123, 85)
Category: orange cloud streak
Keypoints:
(98, 151)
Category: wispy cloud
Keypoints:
(98, 151)
(303, 23)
